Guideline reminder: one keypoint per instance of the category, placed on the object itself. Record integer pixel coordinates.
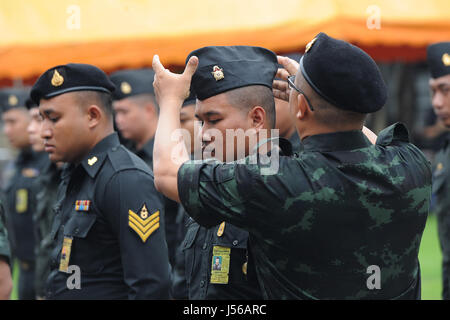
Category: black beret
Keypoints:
(223, 68)
(343, 74)
(12, 98)
(132, 82)
(438, 57)
(68, 78)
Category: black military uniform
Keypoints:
(107, 213)
(20, 194)
(131, 83)
(439, 63)
(333, 211)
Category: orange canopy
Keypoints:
(112, 34)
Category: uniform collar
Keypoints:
(95, 158)
(336, 141)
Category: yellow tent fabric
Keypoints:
(112, 34)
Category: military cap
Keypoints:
(68, 78)
(132, 82)
(12, 98)
(438, 56)
(343, 75)
(223, 68)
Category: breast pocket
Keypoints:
(85, 252)
(237, 240)
(79, 225)
(188, 248)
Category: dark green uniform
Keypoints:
(332, 211)
(47, 186)
(20, 194)
(107, 224)
(441, 192)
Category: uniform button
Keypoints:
(235, 242)
(204, 246)
(202, 283)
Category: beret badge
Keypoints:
(446, 59)
(12, 100)
(57, 79)
(218, 73)
(125, 87)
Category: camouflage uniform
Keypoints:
(47, 184)
(441, 192)
(330, 212)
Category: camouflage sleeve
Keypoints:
(214, 192)
(5, 252)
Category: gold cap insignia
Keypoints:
(144, 225)
(125, 87)
(57, 79)
(446, 59)
(439, 166)
(310, 44)
(12, 100)
(218, 73)
(92, 161)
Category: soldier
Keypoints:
(245, 105)
(439, 63)
(332, 213)
(5, 256)
(136, 115)
(107, 238)
(47, 187)
(20, 192)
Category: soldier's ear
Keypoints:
(302, 106)
(258, 117)
(94, 115)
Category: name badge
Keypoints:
(65, 254)
(220, 265)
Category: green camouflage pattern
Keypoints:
(331, 212)
(441, 192)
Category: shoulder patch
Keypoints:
(143, 223)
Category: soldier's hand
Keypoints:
(280, 87)
(171, 87)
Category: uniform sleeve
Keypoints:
(216, 192)
(135, 211)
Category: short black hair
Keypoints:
(254, 95)
(144, 98)
(101, 99)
